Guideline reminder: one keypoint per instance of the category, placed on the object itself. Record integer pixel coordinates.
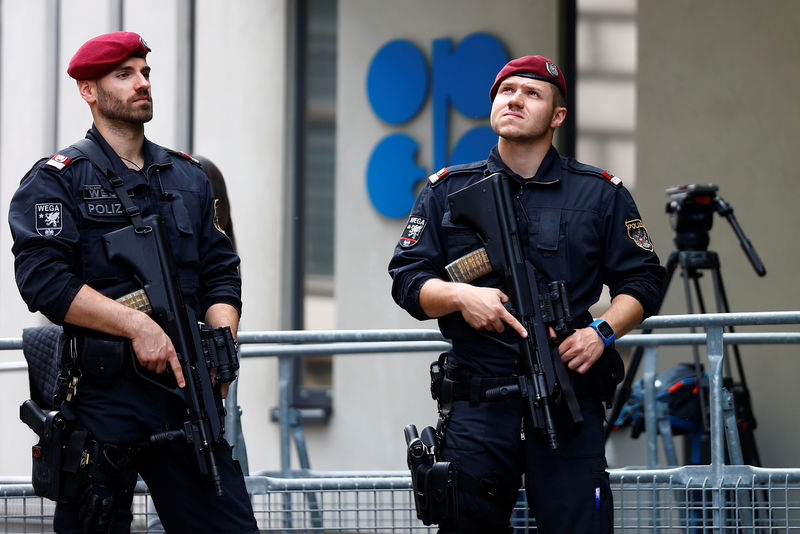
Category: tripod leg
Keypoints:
(691, 272)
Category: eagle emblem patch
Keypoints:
(412, 231)
(48, 219)
(638, 234)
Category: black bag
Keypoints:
(43, 348)
(678, 388)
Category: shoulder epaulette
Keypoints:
(616, 180)
(64, 158)
(185, 156)
(438, 175)
(59, 161)
(589, 170)
(444, 172)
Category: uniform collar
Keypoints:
(153, 154)
(549, 171)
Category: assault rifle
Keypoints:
(487, 207)
(147, 252)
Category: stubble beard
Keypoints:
(518, 135)
(532, 130)
(114, 109)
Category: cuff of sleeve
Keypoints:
(59, 310)
(642, 298)
(232, 301)
(412, 299)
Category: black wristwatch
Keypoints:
(604, 330)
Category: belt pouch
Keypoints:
(102, 357)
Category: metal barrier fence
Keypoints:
(670, 500)
(705, 498)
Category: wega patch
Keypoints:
(638, 234)
(48, 219)
(413, 231)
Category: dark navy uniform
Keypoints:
(58, 216)
(578, 224)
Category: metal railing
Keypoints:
(701, 498)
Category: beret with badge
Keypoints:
(98, 56)
(535, 67)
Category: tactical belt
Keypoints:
(478, 389)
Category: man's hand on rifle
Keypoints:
(154, 349)
(580, 350)
(583, 348)
(221, 314)
(482, 307)
(152, 346)
(223, 388)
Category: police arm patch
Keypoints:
(638, 234)
(48, 219)
(413, 231)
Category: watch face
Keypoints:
(605, 329)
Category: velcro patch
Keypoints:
(638, 234)
(48, 219)
(59, 161)
(413, 231)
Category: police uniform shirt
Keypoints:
(65, 205)
(577, 223)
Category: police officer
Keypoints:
(58, 216)
(578, 224)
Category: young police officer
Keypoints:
(580, 225)
(58, 217)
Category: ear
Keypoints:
(88, 90)
(559, 115)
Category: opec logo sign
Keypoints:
(399, 83)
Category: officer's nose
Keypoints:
(142, 82)
(515, 99)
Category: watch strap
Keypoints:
(599, 325)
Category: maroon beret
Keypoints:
(536, 67)
(98, 56)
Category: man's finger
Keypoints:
(175, 365)
(516, 325)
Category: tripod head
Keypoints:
(691, 214)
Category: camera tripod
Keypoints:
(691, 216)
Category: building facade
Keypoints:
(330, 113)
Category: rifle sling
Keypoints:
(93, 153)
(567, 390)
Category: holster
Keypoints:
(59, 458)
(434, 482)
(435, 495)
